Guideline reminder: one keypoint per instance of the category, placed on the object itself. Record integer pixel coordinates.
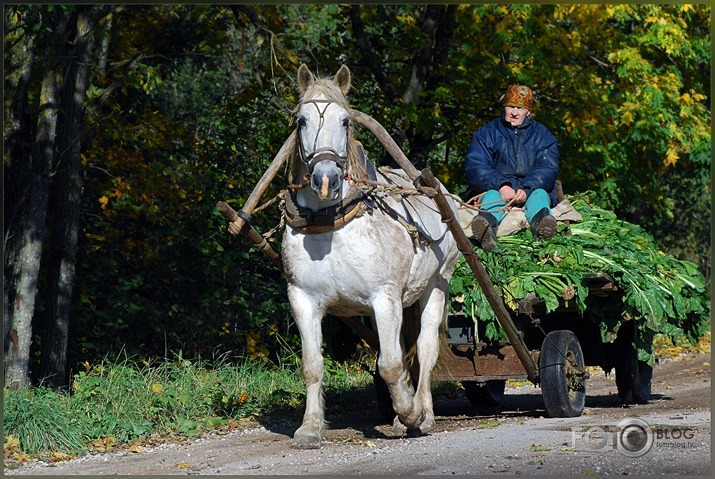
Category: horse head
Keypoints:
(326, 150)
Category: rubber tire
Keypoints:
(633, 377)
(488, 394)
(561, 400)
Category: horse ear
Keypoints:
(305, 78)
(342, 79)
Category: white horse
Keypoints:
(351, 250)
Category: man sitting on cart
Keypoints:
(513, 161)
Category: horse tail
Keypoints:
(411, 325)
(445, 351)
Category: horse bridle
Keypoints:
(324, 153)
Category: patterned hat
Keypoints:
(519, 96)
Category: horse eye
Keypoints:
(301, 122)
(346, 122)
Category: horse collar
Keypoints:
(308, 221)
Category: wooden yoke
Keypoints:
(243, 215)
(239, 219)
(387, 142)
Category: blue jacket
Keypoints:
(525, 157)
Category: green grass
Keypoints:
(121, 402)
(40, 420)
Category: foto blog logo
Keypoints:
(632, 437)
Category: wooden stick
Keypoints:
(387, 142)
(237, 224)
(495, 301)
(231, 215)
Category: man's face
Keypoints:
(515, 115)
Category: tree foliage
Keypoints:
(188, 104)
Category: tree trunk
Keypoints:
(65, 206)
(18, 138)
(104, 48)
(21, 293)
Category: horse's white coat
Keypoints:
(369, 266)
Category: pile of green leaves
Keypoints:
(663, 294)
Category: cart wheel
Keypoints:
(486, 394)
(561, 368)
(633, 377)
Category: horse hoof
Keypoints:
(427, 423)
(397, 426)
(415, 431)
(306, 442)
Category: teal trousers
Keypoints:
(537, 200)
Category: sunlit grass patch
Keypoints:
(115, 403)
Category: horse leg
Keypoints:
(309, 434)
(428, 345)
(391, 363)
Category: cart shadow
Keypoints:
(527, 405)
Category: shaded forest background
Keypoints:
(123, 125)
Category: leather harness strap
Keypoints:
(308, 221)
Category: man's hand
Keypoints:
(509, 194)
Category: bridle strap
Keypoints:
(318, 153)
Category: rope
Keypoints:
(474, 203)
(396, 191)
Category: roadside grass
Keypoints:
(29, 415)
(666, 348)
(117, 404)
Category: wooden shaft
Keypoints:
(253, 235)
(495, 301)
(387, 142)
(238, 223)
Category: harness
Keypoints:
(353, 205)
(324, 153)
(327, 219)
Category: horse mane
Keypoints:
(357, 163)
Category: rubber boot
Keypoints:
(543, 225)
(484, 229)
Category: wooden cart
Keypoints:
(546, 350)
(561, 343)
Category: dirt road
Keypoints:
(515, 438)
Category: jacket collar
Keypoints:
(526, 124)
